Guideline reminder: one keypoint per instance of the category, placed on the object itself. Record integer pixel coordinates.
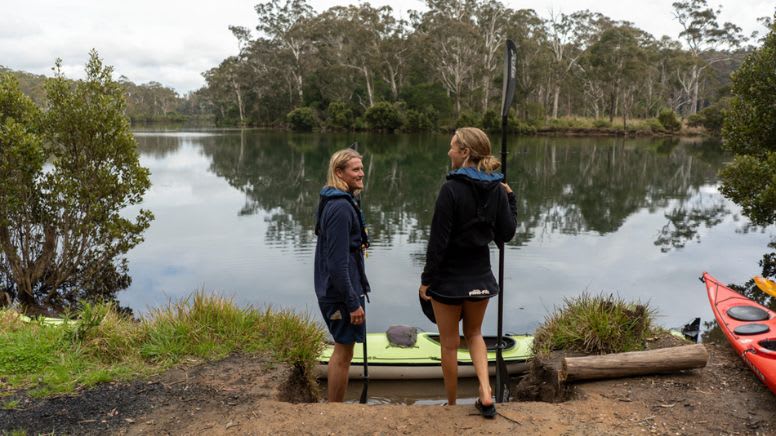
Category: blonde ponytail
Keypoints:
(479, 148)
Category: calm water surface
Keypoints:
(641, 219)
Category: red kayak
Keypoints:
(750, 328)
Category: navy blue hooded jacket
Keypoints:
(339, 257)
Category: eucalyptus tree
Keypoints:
(703, 35)
(490, 20)
(449, 37)
(528, 32)
(616, 59)
(285, 22)
(351, 36)
(569, 36)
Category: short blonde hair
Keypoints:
(339, 160)
(479, 148)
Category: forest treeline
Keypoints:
(359, 67)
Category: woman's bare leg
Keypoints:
(447, 317)
(473, 314)
(338, 368)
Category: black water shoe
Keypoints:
(486, 411)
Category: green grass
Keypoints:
(633, 125)
(595, 325)
(103, 345)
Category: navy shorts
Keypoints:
(337, 319)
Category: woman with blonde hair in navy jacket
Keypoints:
(340, 281)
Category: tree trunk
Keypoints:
(369, 91)
(486, 88)
(696, 80)
(555, 98)
(635, 363)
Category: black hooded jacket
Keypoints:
(472, 210)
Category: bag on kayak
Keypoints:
(402, 335)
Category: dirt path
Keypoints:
(245, 395)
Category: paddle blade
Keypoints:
(510, 78)
(765, 285)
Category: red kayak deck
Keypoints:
(749, 326)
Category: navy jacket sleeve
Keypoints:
(339, 221)
(441, 228)
(506, 221)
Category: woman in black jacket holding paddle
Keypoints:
(473, 208)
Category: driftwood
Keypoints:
(635, 363)
(551, 379)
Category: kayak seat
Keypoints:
(747, 313)
(491, 342)
(751, 329)
(769, 344)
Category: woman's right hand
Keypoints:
(422, 291)
(357, 316)
(509, 190)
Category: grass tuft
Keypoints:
(595, 325)
(102, 345)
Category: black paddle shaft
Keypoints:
(366, 364)
(508, 92)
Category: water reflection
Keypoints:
(235, 213)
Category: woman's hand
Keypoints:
(509, 190)
(357, 316)
(422, 291)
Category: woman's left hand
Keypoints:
(422, 291)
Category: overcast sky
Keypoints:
(174, 41)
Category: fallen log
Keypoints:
(634, 363)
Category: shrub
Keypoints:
(653, 124)
(69, 177)
(595, 325)
(601, 124)
(467, 119)
(491, 121)
(339, 115)
(534, 113)
(415, 121)
(669, 121)
(710, 118)
(302, 119)
(383, 116)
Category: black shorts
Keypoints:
(454, 301)
(337, 319)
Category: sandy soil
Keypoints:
(248, 395)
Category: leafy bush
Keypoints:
(491, 121)
(467, 119)
(534, 113)
(653, 124)
(68, 176)
(339, 115)
(383, 116)
(601, 124)
(302, 119)
(669, 120)
(595, 325)
(710, 118)
(415, 121)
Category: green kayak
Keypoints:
(422, 361)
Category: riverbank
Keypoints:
(251, 395)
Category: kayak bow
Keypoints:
(749, 327)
